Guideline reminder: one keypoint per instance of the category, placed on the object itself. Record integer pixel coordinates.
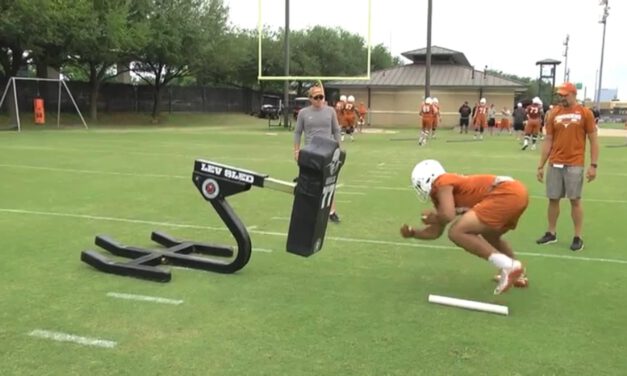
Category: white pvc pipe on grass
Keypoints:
(469, 304)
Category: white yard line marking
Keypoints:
(401, 188)
(96, 172)
(578, 258)
(409, 189)
(365, 181)
(112, 219)
(281, 234)
(64, 337)
(143, 298)
(386, 173)
(280, 218)
(250, 228)
(370, 187)
(585, 199)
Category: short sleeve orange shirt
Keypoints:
(569, 127)
(467, 190)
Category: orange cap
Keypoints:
(567, 88)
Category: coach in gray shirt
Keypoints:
(318, 119)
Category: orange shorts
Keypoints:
(503, 206)
(480, 123)
(427, 123)
(504, 124)
(533, 126)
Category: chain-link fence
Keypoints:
(115, 97)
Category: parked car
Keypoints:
(271, 107)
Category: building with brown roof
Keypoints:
(394, 95)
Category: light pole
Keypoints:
(606, 12)
(428, 62)
(566, 71)
(286, 55)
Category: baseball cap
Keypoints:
(567, 88)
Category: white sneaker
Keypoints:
(508, 277)
(533, 147)
(342, 138)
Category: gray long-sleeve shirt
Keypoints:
(316, 122)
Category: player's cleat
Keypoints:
(521, 282)
(547, 238)
(334, 218)
(508, 277)
(533, 147)
(577, 244)
(524, 147)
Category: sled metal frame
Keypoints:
(147, 263)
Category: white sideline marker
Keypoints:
(143, 298)
(263, 250)
(64, 337)
(469, 304)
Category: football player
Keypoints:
(480, 209)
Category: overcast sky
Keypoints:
(496, 33)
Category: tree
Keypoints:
(22, 22)
(318, 51)
(322, 51)
(107, 33)
(380, 58)
(180, 34)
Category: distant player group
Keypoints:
(430, 113)
(528, 121)
(350, 116)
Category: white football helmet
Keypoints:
(536, 100)
(435, 100)
(428, 100)
(519, 105)
(483, 101)
(351, 99)
(343, 98)
(423, 175)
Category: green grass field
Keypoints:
(358, 307)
